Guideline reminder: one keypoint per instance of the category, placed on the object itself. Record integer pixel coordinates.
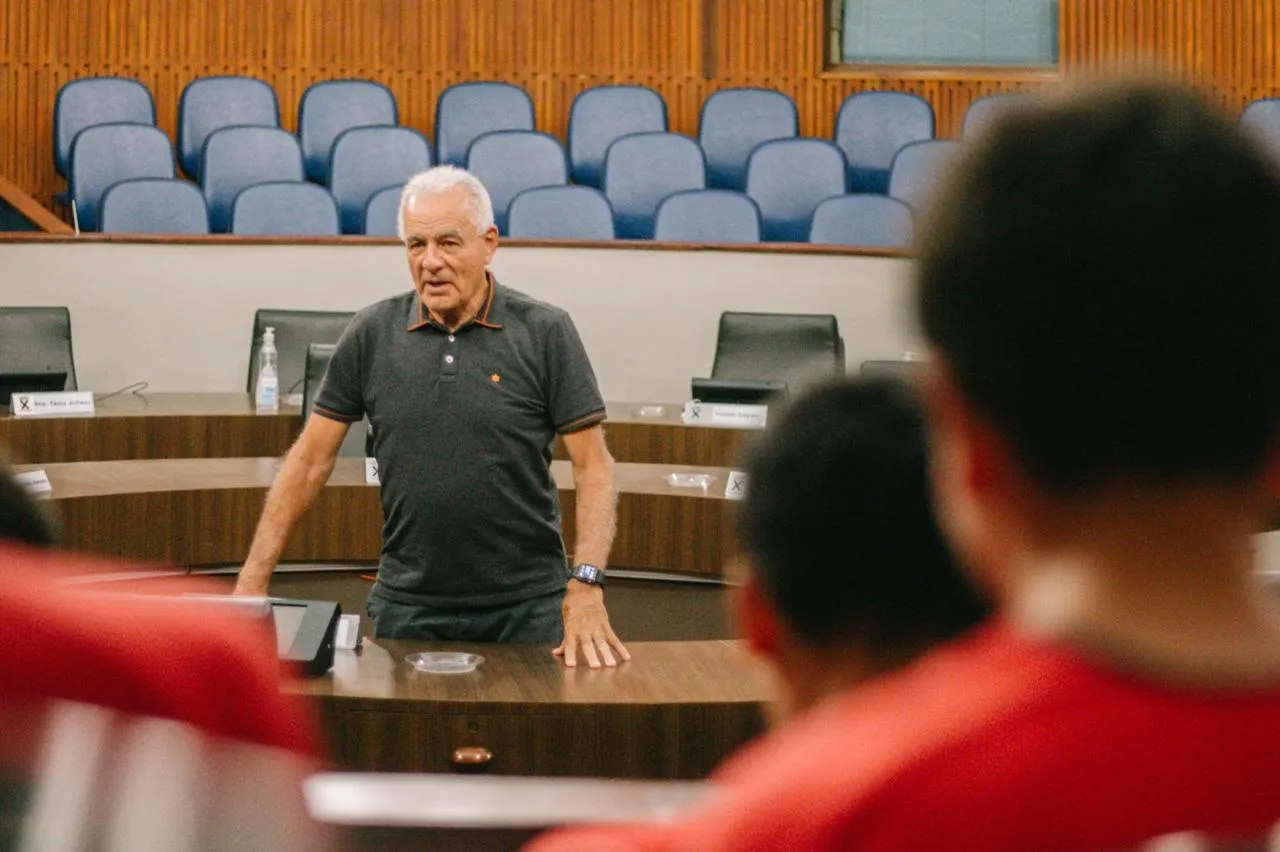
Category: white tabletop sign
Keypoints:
(35, 481)
(723, 414)
(736, 487)
(371, 472)
(52, 404)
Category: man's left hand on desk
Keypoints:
(586, 625)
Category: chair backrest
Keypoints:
(355, 444)
(295, 331)
(367, 159)
(236, 158)
(153, 206)
(872, 127)
(382, 211)
(707, 216)
(561, 213)
(919, 167)
(641, 170)
(96, 100)
(869, 221)
(105, 154)
(510, 161)
(212, 103)
(329, 107)
(600, 116)
(780, 347)
(1261, 120)
(37, 340)
(467, 111)
(788, 178)
(734, 122)
(986, 111)
(285, 209)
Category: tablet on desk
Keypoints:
(11, 383)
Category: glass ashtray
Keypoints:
(690, 480)
(444, 662)
(651, 412)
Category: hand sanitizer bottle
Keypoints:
(267, 391)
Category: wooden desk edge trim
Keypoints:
(32, 211)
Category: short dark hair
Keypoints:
(1101, 276)
(839, 526)
(22, 519)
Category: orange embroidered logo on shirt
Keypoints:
(495, 378)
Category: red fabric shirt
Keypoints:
(145, 658)
(995, 742)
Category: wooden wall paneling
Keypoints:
(556, 48)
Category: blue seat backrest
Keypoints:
(106, 154)
(708, 216)
(236, 158)
(332, 106)
(604, 114)
(872, 127)
(788, 178)
(285, 209)
(734, 122)
(367, 159)
(153, 206)
(212, 103)
(561, 213)
(641, 170)
(510, 161)
(96, 100)
(467, 111)
(867, 221)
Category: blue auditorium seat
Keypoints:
(872, 127)
(868, 221)
(467, 111)
(212, 103)
(236, 158)
(105, 154)
(284, 208)
(600, 116)
(561, 213)
(919, 167)
(1261, 120)
(382, 211)
(733, 123)
(984, 112)
(367, 159)
(788, 178)
(96, 100)
(641, 170)
(707, 216)
(510, 161)
(332, 106)
(153, 206)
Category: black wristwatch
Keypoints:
(592, 575)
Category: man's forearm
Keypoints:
(294, 490)
(597, 513)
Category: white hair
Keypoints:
(442, 179)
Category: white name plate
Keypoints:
(371, 472)
(35, 481)
(723, 414)
(736, 487)
(51, 404)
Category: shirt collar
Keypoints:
(419, 318)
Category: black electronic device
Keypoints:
(20, 383)
(305, 632)
(740, 391)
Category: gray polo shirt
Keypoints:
(462, 426)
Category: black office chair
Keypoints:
(37, 340)
(295, 330)
(777, 347)
(359, 440)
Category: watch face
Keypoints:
(587, 574)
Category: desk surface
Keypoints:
(658, 673)
(203, 512)
(225, 425)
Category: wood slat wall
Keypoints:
(555, 48)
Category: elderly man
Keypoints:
(466, 383)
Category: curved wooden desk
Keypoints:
(201, 512)
(675, 711)
(225, 425)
